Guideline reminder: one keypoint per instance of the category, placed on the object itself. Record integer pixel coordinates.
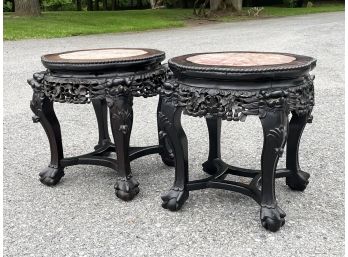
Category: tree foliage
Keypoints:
(55, 4)
(202, 7)
(7, 7)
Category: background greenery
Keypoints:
(62, 24)
(70, 5)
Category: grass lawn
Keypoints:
(278, 11)
(270, 11)
(63, 24)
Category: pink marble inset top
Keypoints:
(102, 54)
(240, 59)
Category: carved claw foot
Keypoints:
(298, 181)
(126, 188)
(210, 168)
(272, 218)
(51, 175)
(174, 199)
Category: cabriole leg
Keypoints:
(170, 118)
(121, 117)
(298, 180)
(100, 109)
(166, 154)
(214, 130)
(275, 127)
(44, 113)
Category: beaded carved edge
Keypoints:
(154, 56)
(252, 69)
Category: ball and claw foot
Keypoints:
(174, 199)
(272, 218)
(126, 188)
(298, 181)
(51, 175)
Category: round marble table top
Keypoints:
(104, 58)
(101, 54)
(238, 65)
(240, 59)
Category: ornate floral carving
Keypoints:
(36, 105)
(301, 99)
(124, 116)
(162, 134)
(278, 135)
(237, 104)
(73, 89)
(164, 119)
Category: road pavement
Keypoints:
(82, 217)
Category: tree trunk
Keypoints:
(96, 5)
(113, 5)
(215, 4)
(221, 4)
(183, 4)
(105, 5)
(78, 5)
(12, 6)
(237, 4)
(89, 5)
(139, 4)
(27, 7)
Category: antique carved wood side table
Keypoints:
(230, 86)
(105, 77)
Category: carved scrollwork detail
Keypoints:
(163, 119)
(73, 89)
(36, 105)
(123, 115)
(238, 104)
(301, 99)
(278, 135)
(162, 134)
(65, 89)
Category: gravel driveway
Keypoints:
(82, 217)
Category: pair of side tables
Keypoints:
(218, 86)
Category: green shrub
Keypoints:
(7, 7)
(54, 5)
(293, 3)
(170, 3)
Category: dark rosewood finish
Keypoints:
(232, 93)
(109, 84)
